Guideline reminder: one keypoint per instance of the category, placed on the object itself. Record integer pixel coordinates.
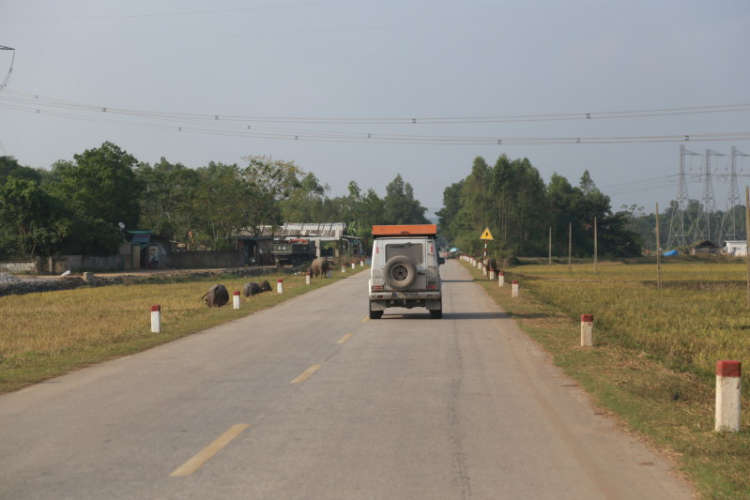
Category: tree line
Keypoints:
(78, 206)
(512, 200)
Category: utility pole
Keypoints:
(570, 247)
(658, 251)
(596, 250)
(549, 259)
(747, 240)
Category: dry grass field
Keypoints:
(699, 316)
(43, 335)
(654, 360)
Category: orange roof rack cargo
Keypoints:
(404, 230)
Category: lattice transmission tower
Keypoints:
(733, 222)
(678, 237)
(703, 229)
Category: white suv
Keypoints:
(405, 269)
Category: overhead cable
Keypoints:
(26, 97)
(372, 138)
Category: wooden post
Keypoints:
(747, 236)
(596, 249)
(570, 246)
(658, 251)
(549, 260)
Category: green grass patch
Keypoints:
(43, 335)
(653, 363)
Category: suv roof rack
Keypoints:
(404, 230)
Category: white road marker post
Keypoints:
(156, 319)
(354, 266)
(280, 286)
(515, 293)
(236, 300)
(343, 269)
(587, 330)
(492, 275)
(501, 279)
(308, 278)
(728, 392)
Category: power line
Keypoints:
(181, 13)
(363, 138)
(26, 97)
(243, 126)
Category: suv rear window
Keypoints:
(414, 251)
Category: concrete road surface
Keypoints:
(312, 400)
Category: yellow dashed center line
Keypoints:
(345, 338)
(306, 374)
(365, 319)
(209, 451)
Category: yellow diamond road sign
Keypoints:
(486, 235)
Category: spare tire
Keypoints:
(400, 272)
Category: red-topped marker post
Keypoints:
(236, 300)
(501, 279)
(280, 286)
(587, 330)
(156, 319)
(728, 392)
(514, 292)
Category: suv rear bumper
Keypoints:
(381, 300)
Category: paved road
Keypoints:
(311, 400)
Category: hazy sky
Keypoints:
(337, 86)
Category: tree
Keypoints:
(512, 200)
(9, 167)
(271, 182)
(102, 184)
(26, 227)
(448, 214)
(167, 201)
(220, 204)
(400, 205)
(305, 203)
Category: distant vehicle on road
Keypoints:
(293, 252)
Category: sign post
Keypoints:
(486, 236)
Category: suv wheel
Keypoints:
(400, 272)
(436, 313)
(376, 314)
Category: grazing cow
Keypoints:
(216, 296)
(251, 289)
(319, 267)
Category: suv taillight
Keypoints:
(377, 288)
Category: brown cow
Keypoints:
(319, 267)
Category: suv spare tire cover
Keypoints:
(400, 272)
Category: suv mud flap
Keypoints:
(434, 305)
